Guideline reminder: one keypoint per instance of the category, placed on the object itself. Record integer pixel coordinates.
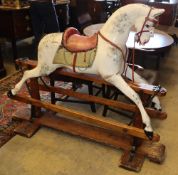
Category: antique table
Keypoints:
(156, 46)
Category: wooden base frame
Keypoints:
(130, 138)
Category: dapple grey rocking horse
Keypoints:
(109, 61)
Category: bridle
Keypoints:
(147, 18)
(138, 34)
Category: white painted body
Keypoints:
(109, 62)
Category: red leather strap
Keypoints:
(110, 42)
(114, 45)
(146, 19)
(74, 61)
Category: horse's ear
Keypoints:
(157, 12)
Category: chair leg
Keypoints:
(106, 95)
(103, 90)
(53, 98)
(90, 91)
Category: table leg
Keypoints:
(14, 49)
(2, 69)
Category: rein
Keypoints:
(116, 46)
(139, 34)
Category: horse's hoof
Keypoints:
(149, 134)
(154, 106)
(9, 94)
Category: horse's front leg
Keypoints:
(27, 74)
(119, 83)
(138, 79)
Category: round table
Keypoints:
(158, 41)
(157, 45)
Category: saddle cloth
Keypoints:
(83, 59)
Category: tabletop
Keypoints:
(159, 40)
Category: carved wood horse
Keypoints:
(111, 48)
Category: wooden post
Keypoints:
(35, 93)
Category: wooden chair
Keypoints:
(84, 20)
(76, 84)
(83, 15)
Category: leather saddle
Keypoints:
(73, 41)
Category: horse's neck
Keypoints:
(118, 27)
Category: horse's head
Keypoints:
(144, 24)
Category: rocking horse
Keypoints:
(109, 63)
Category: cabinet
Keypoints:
(169, 16)
(102, 10)
(170, 6)
(16, 25)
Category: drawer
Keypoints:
(22, 24)
(6, 27)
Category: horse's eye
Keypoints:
(147, 26)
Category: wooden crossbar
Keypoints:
(86, 117)
(138, 87)
(120, 105)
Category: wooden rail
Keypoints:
(138, 87)
(86, 117)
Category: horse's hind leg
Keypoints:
(119, 83)
(27, 74)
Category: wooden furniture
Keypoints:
(170, 6)
(160, 40)
(62, 10)
(85, 12)
(130, 138)
(2, 69)
(103, 9)
(155, 48)
(170, 14)
(14, 3)
(76, 84)
(16, 25)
